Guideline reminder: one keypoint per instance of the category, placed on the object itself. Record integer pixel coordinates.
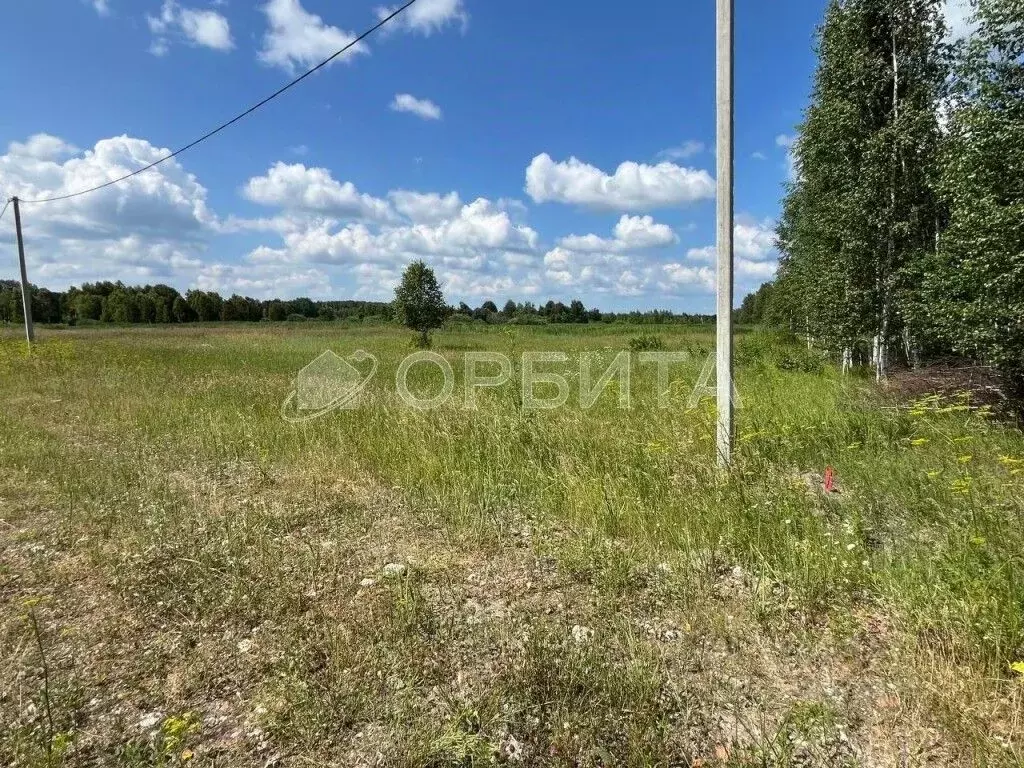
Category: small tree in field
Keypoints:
(419, 303)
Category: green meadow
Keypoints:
(186, 578)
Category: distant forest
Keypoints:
(108, 302)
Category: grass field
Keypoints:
(186, 578)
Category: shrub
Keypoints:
(646, 342)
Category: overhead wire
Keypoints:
(355, 41)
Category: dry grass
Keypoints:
(186, 579)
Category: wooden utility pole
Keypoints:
(26, 291)
(723, 375)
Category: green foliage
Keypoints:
(756, 306)
(419, 303)
(780, 350)
(894, 228)
(862, 212)
(974, 287)
(646, 342)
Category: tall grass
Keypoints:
(135, 435)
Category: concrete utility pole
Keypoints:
(26, 292)
(723, 375)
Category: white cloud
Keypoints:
(478, 231)
(428, 16)
(297, 38)
(616, 274)
(755, 255)
(631, 233)
(426, 208)
(751, 240)
(102, 7)
(42, 146)
(751, 273)
(152, 226)
(759, 156)
(425, 108)
(324, 237)
(633, 186)
(313, 190)
(166, 200)
(471, 246)
(788, 143)
(682, 152)
(487, 286)
(705, 253)
(263, 281)
(676, 276)
(205, 28)
(754, 240)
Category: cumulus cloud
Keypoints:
(677, 276)
(754, 248)
(151, 226)
(633, 186)
(204, 28)
(325, 221)
(426, 208)
(156, 227)
(425, 108)
(755, 240)
(166, 200)
(296, 38)
(593, 271)
(313, 190)
(683, 151)
(751, 240)
(479, 231)
(428, 16)
(631, 233)
(263, 281)
(617, 274)
(603, 265)
(41, 146)
(472, 246)
(619, 266)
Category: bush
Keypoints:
(296, 318)
(529, 320)
(778, 350)
(646, 342)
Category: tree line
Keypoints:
(108, 302)
(115, 302)
(902, 232)
(575, 312)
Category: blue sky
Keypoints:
(527, 150)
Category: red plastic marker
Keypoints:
(830, 480)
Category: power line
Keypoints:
(5, 209)
(235, 119)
